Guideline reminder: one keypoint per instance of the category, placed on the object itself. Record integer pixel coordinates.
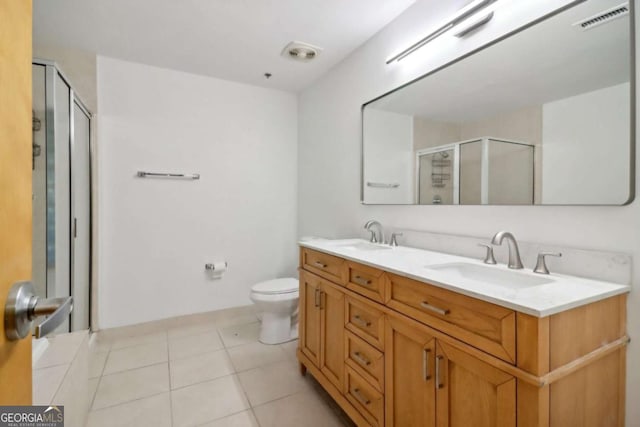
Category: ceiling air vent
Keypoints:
(300, 51)
(604, 17)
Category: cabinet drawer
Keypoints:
(365, 321)
(366, 399)
(486, 326)
(366, 281)
(363, 358)
(325, 265)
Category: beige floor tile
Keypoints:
(301, 409)
(241, 419)
(136, 357)
(182, 347)
(235, 335)
(199, 368)
(124, 386)
(46, 382)
(207, 401)
(290, 348)
(61, 350)
(96, 363)
(255, 354)
(123, 342)
(99, 342)
(272, 382)
(93, 386)
(154, 411)
(191, 329)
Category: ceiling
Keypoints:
(237, 40)
(549, 61)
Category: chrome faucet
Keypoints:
(375, 239)
(394, 240)
(541, 265)
(514, 254)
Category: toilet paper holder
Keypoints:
(212, 266)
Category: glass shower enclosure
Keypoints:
(480, 171)
(61, 193)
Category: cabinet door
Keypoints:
(469, 389)
(310, 317)
(332, 333)
(409, 374)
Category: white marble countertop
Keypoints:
(562, 293)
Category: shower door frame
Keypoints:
(52, 71)
(484, 166)
(455, 173)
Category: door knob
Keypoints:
(23, 306)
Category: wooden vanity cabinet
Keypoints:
(393, 351)
(433, 383)
(409, 375)
(322, 323)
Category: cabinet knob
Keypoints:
(440, 311)
(360, 396)
(360, 359)
(439, 383)
(425, 364)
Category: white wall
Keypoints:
(593, 129)
(156, 235)
(329, 158)
(389, 159)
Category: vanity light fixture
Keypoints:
(462, 14)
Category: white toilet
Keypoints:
(277, 301)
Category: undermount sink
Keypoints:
(363, 246)
(490, 275)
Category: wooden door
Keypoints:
(15, 188)
(409, 374)
(332, 333)
(310, 317)
(468, 389)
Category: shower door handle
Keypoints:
(23, 306)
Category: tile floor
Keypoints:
(207, 370)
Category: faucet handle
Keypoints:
(541, 265)
(394, 241)
(488, 258)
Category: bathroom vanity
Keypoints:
(408, 337)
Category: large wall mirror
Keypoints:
(543, 117)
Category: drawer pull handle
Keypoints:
(362, 281)
(439, 383)
(361, 360)
(425, 364)
(440, 311)
(317, 298)
(319, 264)
(356, 393)
(360, 321)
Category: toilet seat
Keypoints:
(276, 287)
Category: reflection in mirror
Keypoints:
(541, 117)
